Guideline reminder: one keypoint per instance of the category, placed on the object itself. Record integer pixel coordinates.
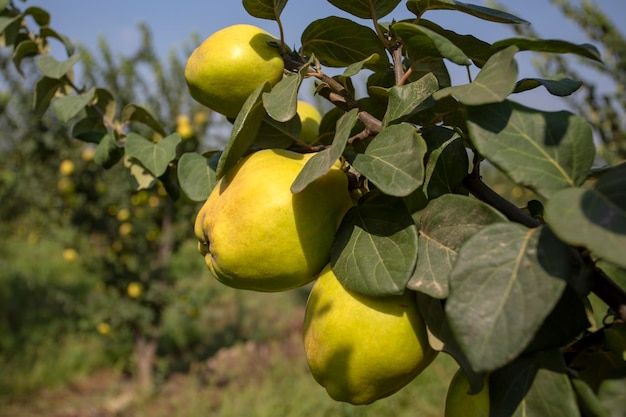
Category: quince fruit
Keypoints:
(230, 64)
(460, 403)
(256, 234)
(310, 119)
(363, 348)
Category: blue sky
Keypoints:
(173, 23)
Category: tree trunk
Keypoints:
(145, 354)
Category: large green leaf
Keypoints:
(477, 50)
(108, 153)
(445, 224)
(39, 15)
(394, 160)
(45, 90)
(556, 46)
(89, 129)
(265, 9)
(47, 32)
(339, 42)
(366, 9)
(505, 282)
(196, 174)
(593, 218)
(138, 176)
(281, 102)
(495, 81)
(533, 386)
(375, 248)
(546, 151)
(447, 162)
(425, 44)
(135, 113)
(405, 100)
(245, 130)
(52, 68)
(278, 135)
(24, 49)
(67, 107)
(440, 336)
(155, 157)
(322, 161)
(559, 85)
(420, 6)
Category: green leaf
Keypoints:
(281, 102)
(394, 160)
(245, 130)
(155, 157)
(406, 99)
(278, 135)
(425, 44)
(105, 101)
(612, 394)
(3, 5)
(6, 21)
(139, 177)
(447, 162)
(23, 50)
(135, 113)
(477, 50)
(89, 129)
(45, 90)
(375, 248)
(339, 42)
(587, 400)
(559, 85)
(320, 163)
(445, 225)
(593, 218)
(52, 68)
(420, 6)
(39, 15)
(440, 336)
(67, 107)
(495, 81)
(546, 151)
(533, 386)
(265, 9)
(108, 153)
(364, 8)
(47, 32)
(505, 282)
(556, 46)
(353, 69)
(196, 174)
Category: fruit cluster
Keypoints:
(256, 234)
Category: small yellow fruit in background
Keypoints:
(361, 348)
(134, 289)
(230, 64)
(88, 154)
(123, 215)
(184, 127)
(125, 229)
(103, 328)
(256, 234)
(69, 255)
(310, 119)
(66, 167)
(459, 403)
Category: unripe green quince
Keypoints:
(256, 234)
(363, 348)
(230, 64)
(459, 403)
